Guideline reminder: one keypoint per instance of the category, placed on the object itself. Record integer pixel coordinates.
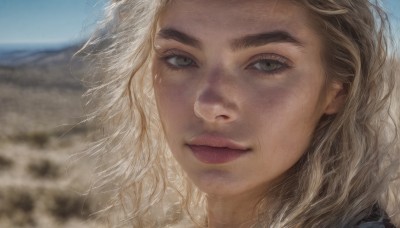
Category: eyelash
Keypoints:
(171, 54)
(271, 59)
(262, 58)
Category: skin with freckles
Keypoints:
(245, 72)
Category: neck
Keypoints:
(233, 211)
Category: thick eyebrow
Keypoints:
(263, 39)
(173, 34)
(248, 41)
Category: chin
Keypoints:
(219, 183)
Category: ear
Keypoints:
(335, 97)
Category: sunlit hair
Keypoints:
(351, 164)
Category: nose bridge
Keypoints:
(215, 88)
(215, 101)
(216, 76)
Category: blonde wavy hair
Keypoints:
(351, 166)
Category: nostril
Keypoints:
(215, 104)
(213, 112)
(222, 117)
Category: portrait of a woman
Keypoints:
(256, 113)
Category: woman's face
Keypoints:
(240, 88)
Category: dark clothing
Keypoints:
(377, 219)
(376, 224)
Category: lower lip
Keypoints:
(216, 155)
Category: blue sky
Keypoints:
(393, 8)
(67, 21)
(47, 21)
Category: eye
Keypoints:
(179, 61)
(269, 63)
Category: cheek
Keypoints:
(284, 120)
(173, 103)
(281, 117)
(291, 104)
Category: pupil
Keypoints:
(185, 61)
(269, 65)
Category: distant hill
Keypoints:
(40, 56)
(40, 90)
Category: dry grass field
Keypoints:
(41, 182)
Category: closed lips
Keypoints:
(216, 150)
(216, 142)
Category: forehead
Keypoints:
(205, 18)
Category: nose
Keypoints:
(215, 103)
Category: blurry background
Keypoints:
(41, 184)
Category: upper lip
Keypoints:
(212, 140)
